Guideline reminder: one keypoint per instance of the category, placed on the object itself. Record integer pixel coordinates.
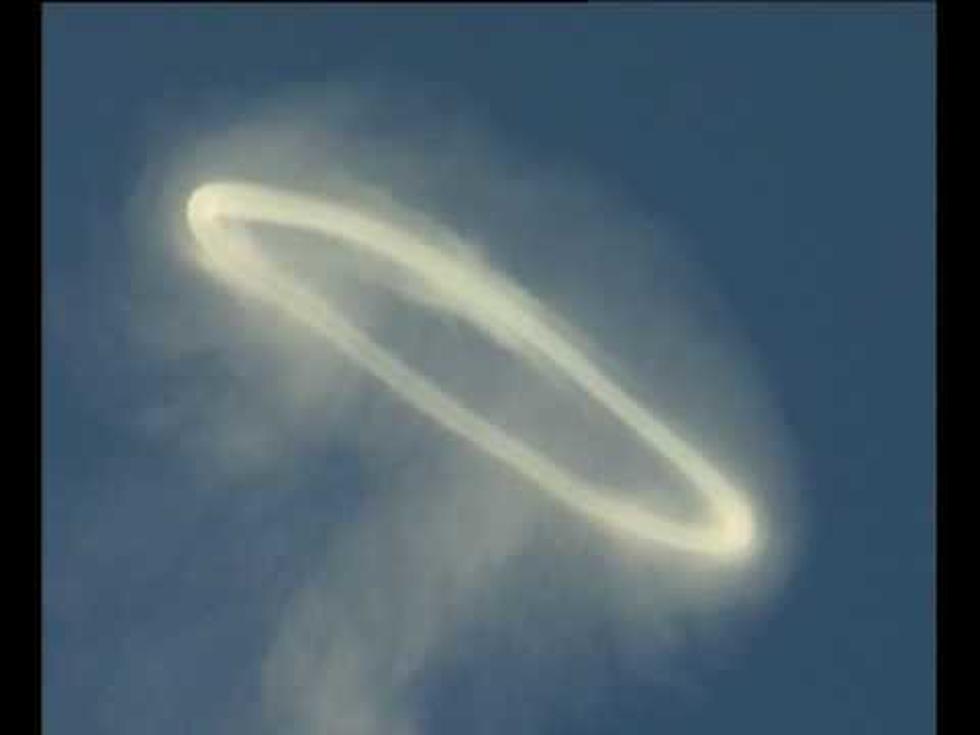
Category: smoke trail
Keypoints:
(445, 535)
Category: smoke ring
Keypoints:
(500, 309)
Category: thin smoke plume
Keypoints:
(433, 555)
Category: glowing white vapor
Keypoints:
(491, 303)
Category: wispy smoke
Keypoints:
(434, 540)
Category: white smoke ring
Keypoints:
(497, 307)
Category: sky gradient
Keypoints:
(794, 148)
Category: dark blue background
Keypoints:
(799, 149)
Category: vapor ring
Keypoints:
(491, 303)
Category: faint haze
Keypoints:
(730, 210)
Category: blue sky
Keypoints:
(795, 148)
